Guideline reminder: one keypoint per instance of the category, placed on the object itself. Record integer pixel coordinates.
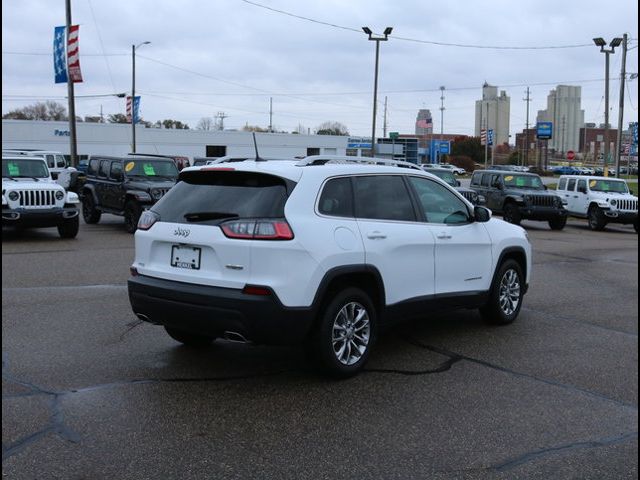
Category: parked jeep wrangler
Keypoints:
(518, 196)
(125, 186)
(31, 199)
(600, 200)
(449, 177)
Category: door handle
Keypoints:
(443, 236)
(376, 235)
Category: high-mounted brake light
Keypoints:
(261, 229)
(219, 169)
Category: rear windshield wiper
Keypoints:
(203, 216)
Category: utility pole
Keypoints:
(270, 114)
(101, 115)
(384, 123)
(623, 75)
(221, 116)
(441, 113)
(526, 135)
(486, 138)
(73, 150)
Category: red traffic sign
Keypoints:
(571, 155)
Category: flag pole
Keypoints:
(72, 108)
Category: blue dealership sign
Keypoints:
(544, 130)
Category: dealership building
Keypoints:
(115, 139)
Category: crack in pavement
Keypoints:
(536, 454)
(492, 366)
(583, 322)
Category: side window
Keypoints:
(485, 179)
(60, 161)
(93, 167)
(337, 198)
(475, 179)
(383, 197)
(50, 161)
(571, 186)
(582, 184)
(104, 168)
(116, 171)
(495, 179)
(563, 184)
(438, 203)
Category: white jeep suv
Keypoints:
(31, 199)
(323, 250)
(600, 200)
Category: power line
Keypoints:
(406, 39)
(106, 61)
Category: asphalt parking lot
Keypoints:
(90, 392)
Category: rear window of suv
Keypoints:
(209, 198)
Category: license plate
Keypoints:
(183, 256)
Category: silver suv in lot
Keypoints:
(320, 251)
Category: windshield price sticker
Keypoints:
(508, 178)
(129, 166)
(14, 171)
(148, 169)
(592, 183)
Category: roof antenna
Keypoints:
(255, 144)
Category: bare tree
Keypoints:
(332, 128)
(205, 123)
(48, 110)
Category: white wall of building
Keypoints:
(493, 110)
(115, 139)
(563, 109)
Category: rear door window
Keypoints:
(208, 198)
(383, 197)
(571, 186)
(563, 184)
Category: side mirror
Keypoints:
(582, 189)
(458, 183)
(481, 214)
(545, 187)
(118, 176)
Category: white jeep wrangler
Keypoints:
(600, 200)
(31, 199)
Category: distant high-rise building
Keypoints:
(424, 122)
(493, 111)
(563, 110)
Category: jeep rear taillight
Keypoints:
(260, 229)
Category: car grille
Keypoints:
(160, 192)
(37, 198)
(471, 196)
(543, 200)
(628, 205)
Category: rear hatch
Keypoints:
(201, 231)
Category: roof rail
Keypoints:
(324, 159)
(227, 158)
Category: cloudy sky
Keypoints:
(314, 61)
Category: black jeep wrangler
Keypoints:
(519, 196)
(125, 186)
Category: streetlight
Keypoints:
(133, 94)
(377, 39)
(600, 42)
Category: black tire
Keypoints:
(89, 211)
(511, 213)
(558, 223)
(596, 219)
(505, 298)
(344, 333)
(69, 227)
(132, 212)
(188, 338)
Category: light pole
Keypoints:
(600, 42)
(133, 94)
(377, 39)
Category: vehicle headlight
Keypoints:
(59, 195)
(614, 203)
(156, 194)
(13, 196)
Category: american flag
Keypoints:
(73, 54)
(483, 136)
(424, 123)
(59, 58)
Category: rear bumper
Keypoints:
(49, 217)
(213, 310)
